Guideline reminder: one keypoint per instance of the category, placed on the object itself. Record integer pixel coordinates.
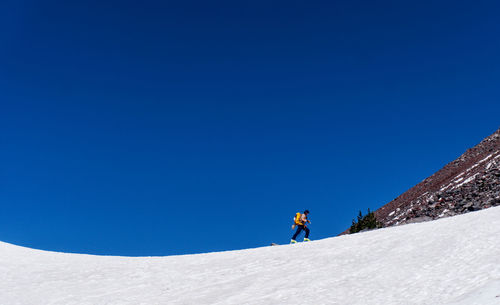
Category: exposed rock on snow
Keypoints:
(470, 183)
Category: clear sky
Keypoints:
(173, 127)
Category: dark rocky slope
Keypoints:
(472, 182)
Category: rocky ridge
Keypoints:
(470, 183)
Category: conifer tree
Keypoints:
(369, 222)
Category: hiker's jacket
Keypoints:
(303, 219)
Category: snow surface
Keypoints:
(454, 261)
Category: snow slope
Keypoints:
(449, 261)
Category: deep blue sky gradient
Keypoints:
(172, 127)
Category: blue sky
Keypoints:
(159, 127)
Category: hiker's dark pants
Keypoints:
(299, 229)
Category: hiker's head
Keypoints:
(306, 212)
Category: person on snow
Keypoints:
(301, 223)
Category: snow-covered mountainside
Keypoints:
(470, 183)
(454, 261)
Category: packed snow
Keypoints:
(454, 261)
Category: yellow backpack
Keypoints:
(296, 220)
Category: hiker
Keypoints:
(301, 224)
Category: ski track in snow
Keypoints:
(452, 261)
